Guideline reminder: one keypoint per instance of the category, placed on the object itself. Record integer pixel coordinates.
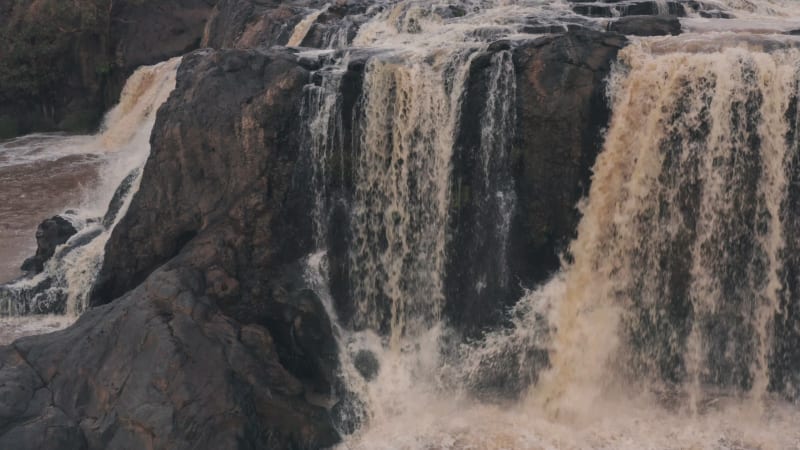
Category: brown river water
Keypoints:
(40, 176)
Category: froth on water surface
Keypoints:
(39, 174)
(13, 328)
(44, 175)
(617, 425)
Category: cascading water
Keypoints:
(301, 30)
(667, 325)
(682, 242)
(122, 147)
(400, 233)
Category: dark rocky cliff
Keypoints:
(210, 336)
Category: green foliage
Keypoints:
(8, 127)
(80, 120)
(39, 43)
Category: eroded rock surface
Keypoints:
(560, 111)
(51, 233)
(162, 367)
(213, 339)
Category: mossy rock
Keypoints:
(80, 121)
(9, 127)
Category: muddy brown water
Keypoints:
(40, 176)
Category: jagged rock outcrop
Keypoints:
(249, 23)
(217, 341)
(50, 234)
(63, 64)
(223, 173)
(162, 368)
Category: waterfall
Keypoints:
(679, 266)
(123, 143)
(382, 167)
(303, 27)
(401, 195)
(662, 7)
(674, 296)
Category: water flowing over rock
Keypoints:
(455, 224)
(70, 254)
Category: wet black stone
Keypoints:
(647, 26)
(367, 364)
(50, 234)
(118, 199)
(349, 414)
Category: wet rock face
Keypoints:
(646, 26)
(212, 322)
(162, 367)
(248, 23)
(367, 364)
(62, 65)
(560, 110)
(50, 234)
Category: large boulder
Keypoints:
(214, 338)
(50, 234)
(161, 368)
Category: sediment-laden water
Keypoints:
(668, 325)
(663, 327)
(77, 177)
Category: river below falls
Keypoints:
(41, 176)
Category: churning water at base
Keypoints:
(101, 174)
(668, 327)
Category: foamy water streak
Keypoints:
(322, 115)
(123, 144)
